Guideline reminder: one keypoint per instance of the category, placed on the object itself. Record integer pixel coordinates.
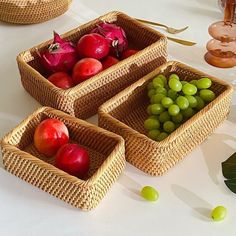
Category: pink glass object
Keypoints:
(221, 4)
(222, 48)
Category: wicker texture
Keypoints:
(106, 151)
(30, 12)
(125, 113)
(84, 99)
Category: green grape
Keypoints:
(177, 125)
(164, 116)
(192, 101)
(161, 90)
(173, 110)
(187, 113)
(172, 94)
(153, 117)
(157, 98)
(174, 76)
(189, 89)
(219, 213)
(169, 126)
(150, 85)
(162, 136)
(175, 85)
(163, 78)
(182, 102)
(151, 92)
(166, 102)
(204, 83)
(178, 118)
(156, 109)
(183, 82)
(194, 82)
(158, 82)
(151, 124)
(200, 103)
(207, 95)
(149, 193)
(149, 110)
(153, 134)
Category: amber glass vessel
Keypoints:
(222, 48)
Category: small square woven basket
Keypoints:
(31, 11)
(106, 151)
(84, 99)
(125, 113)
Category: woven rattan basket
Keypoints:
(106, 151)
(31, 11)
(125, 113)
(84, 99)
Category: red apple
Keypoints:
(93, 45)
(61, 80)
(73, 159)
(128, 53)
(85, 68)
(109, 61)
(50, 135)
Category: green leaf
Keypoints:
(231, 184)
(231, 159)
(229, 170)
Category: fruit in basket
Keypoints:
(115, 36)
(50, 135)
(127, 53)
(93, 45)
(149, 193)
(60, 56)
(73, 159)
(61, 80)
(108, 62)
(203, 83)
(85, 68)
(173, 102)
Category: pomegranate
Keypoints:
(73, 159)
(115, 35)
(50, 135)
(61, 80)
(127, 53)
(60, 56)
(93, 46)
(85, 68)
(109, 61)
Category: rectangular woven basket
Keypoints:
(106, 151)
(84, 99)
(125, 113)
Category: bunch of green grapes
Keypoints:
(173, 102)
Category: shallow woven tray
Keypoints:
(125, 113)
(107, 159)
(84, 99)
(31, 11)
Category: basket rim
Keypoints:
(183, 127)
(49, 167)
(74, 90)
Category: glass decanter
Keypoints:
(222, 48)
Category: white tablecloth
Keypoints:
(187, 192)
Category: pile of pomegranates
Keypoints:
(51, 138)
(69, 64)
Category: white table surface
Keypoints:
(187, 192)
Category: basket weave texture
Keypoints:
(125, 113)
(106, 151)
(31, 11)
(84, 99)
